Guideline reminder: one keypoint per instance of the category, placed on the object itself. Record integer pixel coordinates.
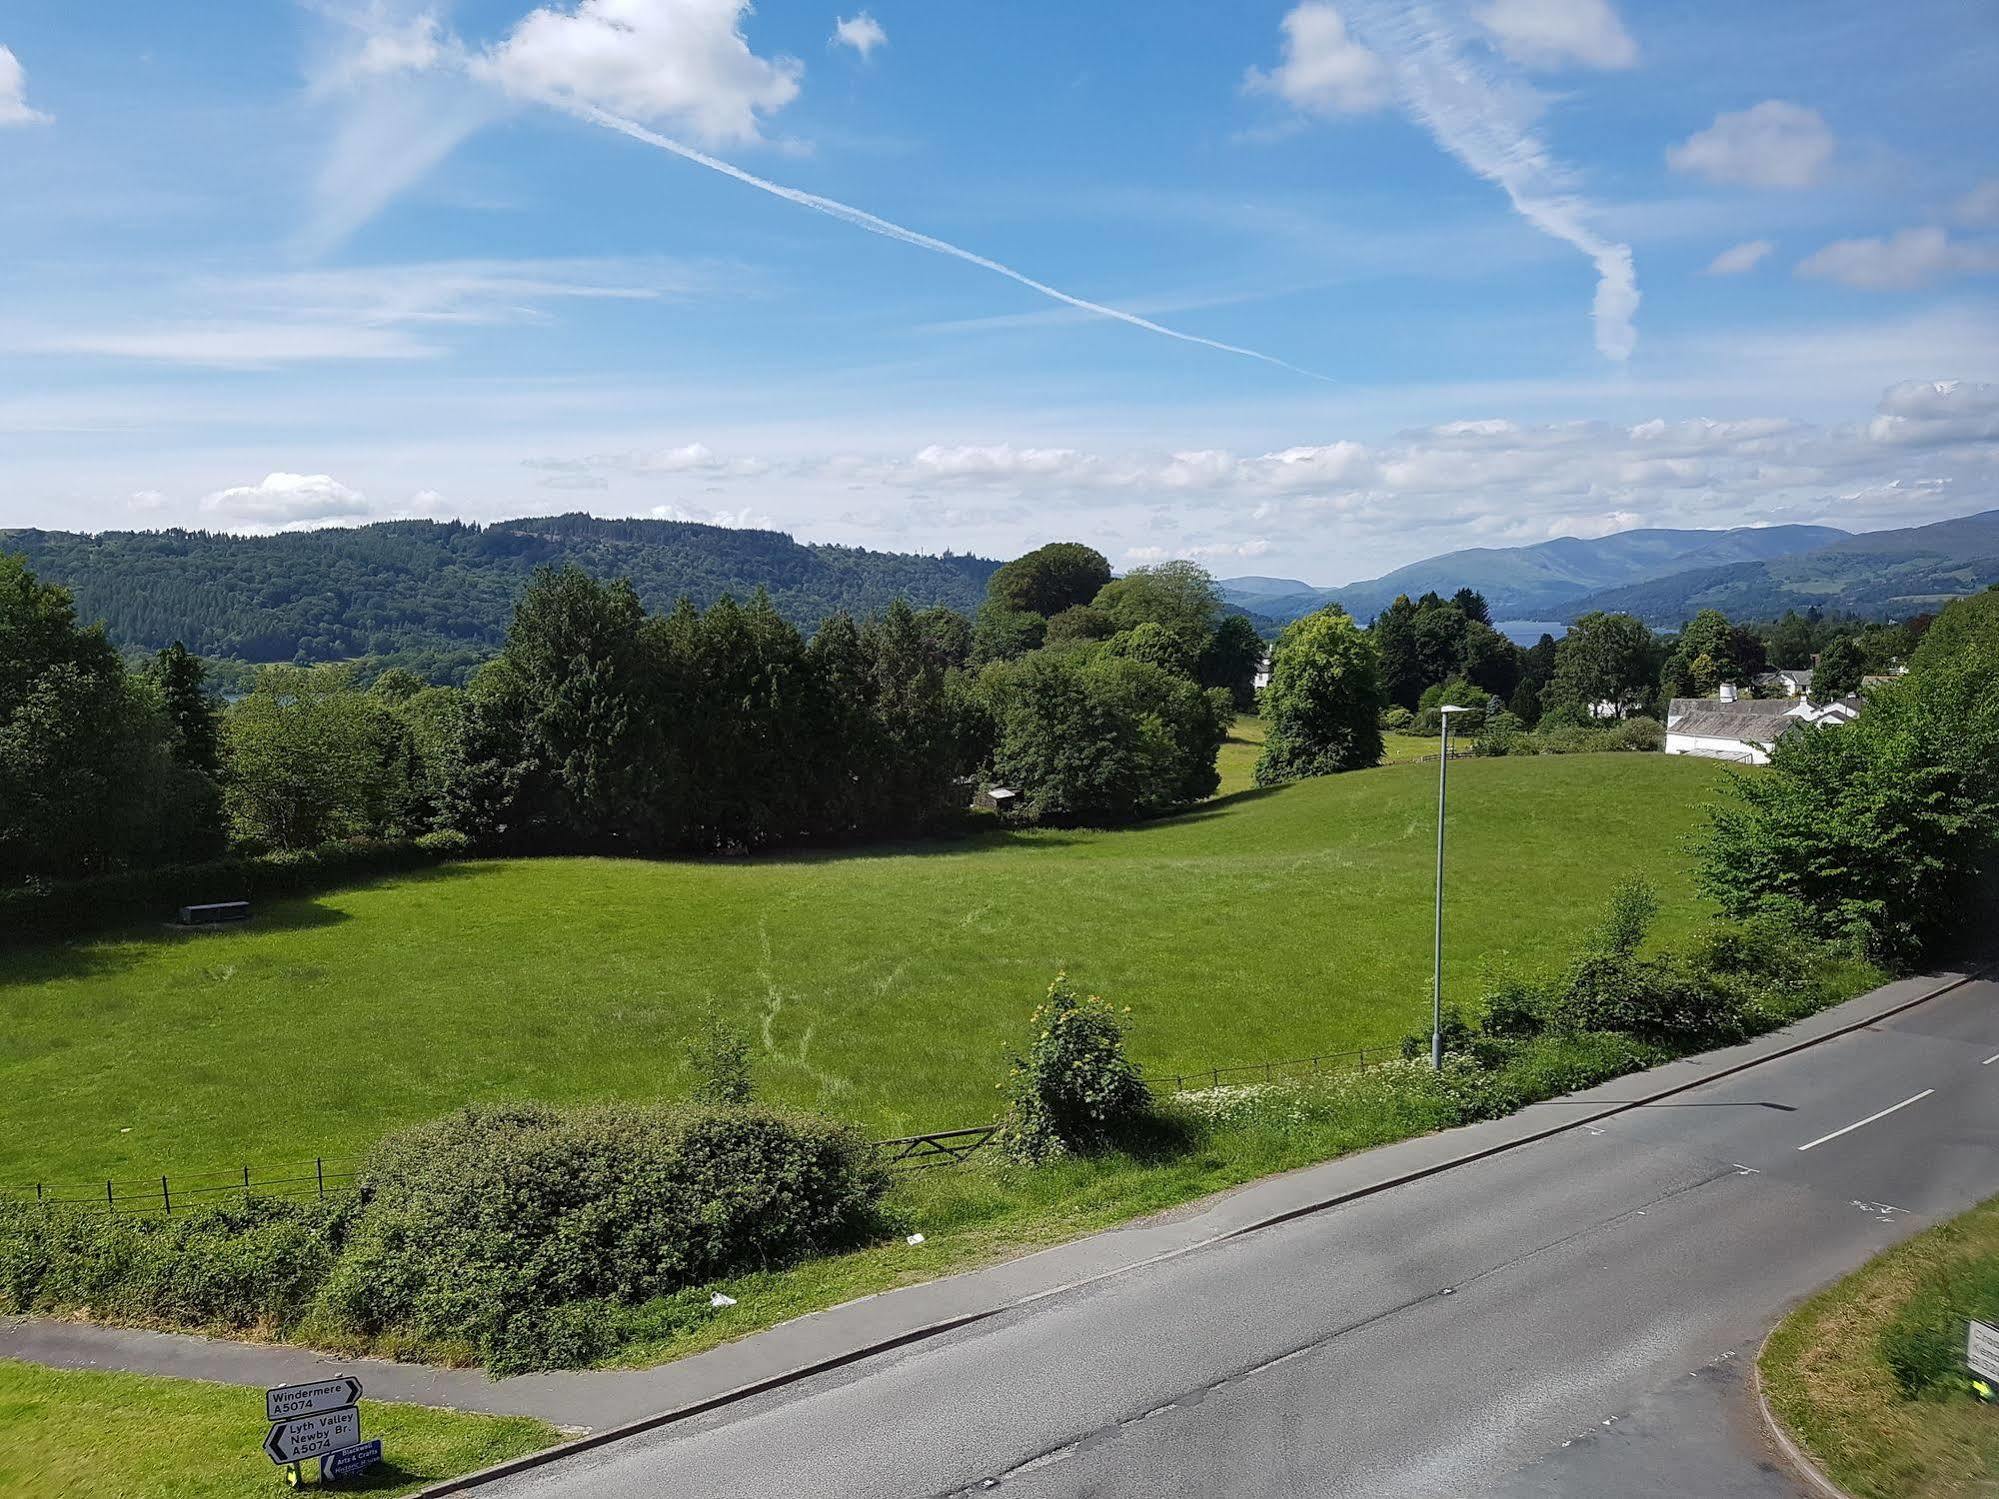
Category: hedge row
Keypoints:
(522, 1237)
(44, 911)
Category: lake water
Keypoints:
(1527, 631)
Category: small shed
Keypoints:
(1001, 799)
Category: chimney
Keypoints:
(1728, 692)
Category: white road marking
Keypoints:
(1990, 1060)
(1918, 1098)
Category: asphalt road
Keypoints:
(1574, 1317)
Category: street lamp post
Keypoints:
(1437, 951)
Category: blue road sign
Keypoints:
(349, 1461)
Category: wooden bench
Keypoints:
(215, 913)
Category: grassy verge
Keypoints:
(1831, 1369)
(882, 986)
(122, 1436)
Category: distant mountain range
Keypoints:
(1664, 577)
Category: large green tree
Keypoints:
(1606, 663)
(1050, 578)
(1231, 660)
(88, 778)
(308, 759)
(1322, 709)
(1180, 597)
(1838, 671)
(1883, 832)
(1104, 740)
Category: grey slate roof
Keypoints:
(1750, 729)
(1742, 707)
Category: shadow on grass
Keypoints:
(126, 945)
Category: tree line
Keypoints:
(601, 725)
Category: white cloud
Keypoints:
(1774, 144)
(1555, 33)
(684, 62)
(1933, 412)
(1487, 121)
(458, 291)
(1738, 259)
(1980, 205)
(862, 32)
(14, 108)
(1324, 71)
(237, 345)
(381, 44)
(1907, 259)
(283, 500)
(1210, 551)
(735, 520)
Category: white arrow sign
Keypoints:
(313, 1436)
(289, 1400)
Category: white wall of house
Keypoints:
(1742, 751)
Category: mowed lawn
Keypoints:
(883, 986)
(72, 1433)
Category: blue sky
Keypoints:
(1485, 272)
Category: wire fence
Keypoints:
(165, 1195)
(321, 1179)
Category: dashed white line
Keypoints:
(1918, 1098)
(1990, 1060)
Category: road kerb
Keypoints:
(1800, 1461)
(952, 1324)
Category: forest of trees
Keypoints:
(436, 597)
(601, 724)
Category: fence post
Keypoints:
(319, 1166)
(110, 1203)
(246, 1186)
(1215, 1078)
(38, 1191)
(1266, 1070)
(166, 1199)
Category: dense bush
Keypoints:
(1075, 1090)
(519, 1236)
(483, 1226)
(238, 1266)
(1105, 740)
(1561, 735)
(1880, 833)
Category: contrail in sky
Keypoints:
(1486, 119)
(861, 219)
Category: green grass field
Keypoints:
(880, 985)
(65, 1434)
(1238, 758)
(1827, 1381)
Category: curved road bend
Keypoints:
(1575, 1317)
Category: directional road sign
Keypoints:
(1982, 1349)
(301, 1437)
(349, 1461)
(289, 1400)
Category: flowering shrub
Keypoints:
(1075, 1088)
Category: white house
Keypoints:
(1792, 681)
(1744, 729)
